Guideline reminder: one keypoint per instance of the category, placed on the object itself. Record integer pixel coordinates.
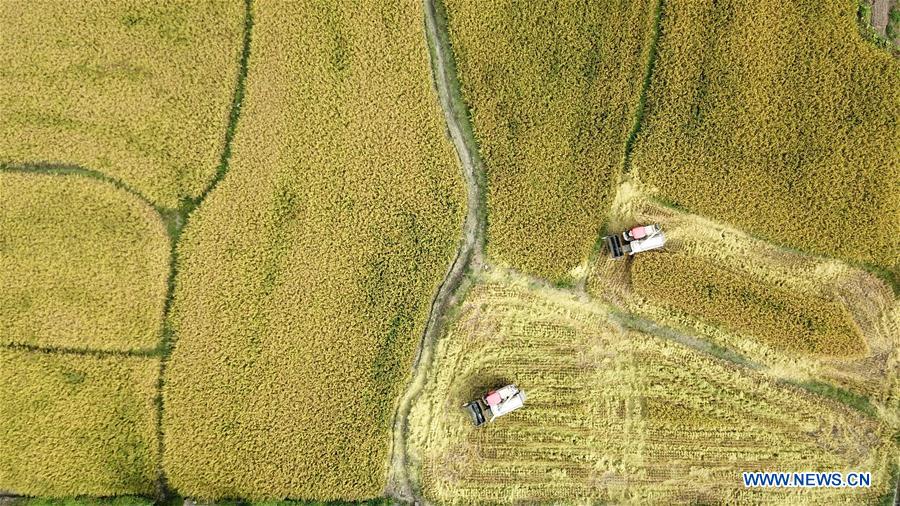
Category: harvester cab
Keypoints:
(635, 240)
(495, 403)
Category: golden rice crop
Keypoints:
(306, 276)
(139, 90)
(84, 264)
(551, 88)
(776, 117)
(781, 318)
(618, 416)
(852, 311)
(77, 424)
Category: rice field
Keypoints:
(305, 278)
(77, 425)
(778, 118)
(551, 89)
(138, 90)
(84, 264)
(616, 415)
(728, 297)
(223, 225)
(803, 316)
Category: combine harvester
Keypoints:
(495, 403)
(635, 240)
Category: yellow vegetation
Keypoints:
(77, 425)
(305, 278)
(84, 264)
(552, 89)
(139, 90)
(721, 295)
(776, 117)
(854, 312)
(619, 416)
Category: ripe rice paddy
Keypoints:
(618, 415)
(76, 425)
(84, 264)
(305, 278)
(552, 90)
(776, 117)
(138, 90)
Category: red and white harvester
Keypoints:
(635, 240)
(495, 403)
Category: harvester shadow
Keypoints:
(478, 384)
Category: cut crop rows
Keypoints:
(615, 415)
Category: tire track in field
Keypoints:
(469, 255)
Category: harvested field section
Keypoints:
(780, 318)
(616, 415)
(306, 277)
(788, 288)
(551, 89)
(84, 264)
(77, 425)
(777, 118)
(139, 90)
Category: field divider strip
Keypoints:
(179, 219)
(821, 389)
(645, 325)
(63, 350)
(63, 169)
(468, 256)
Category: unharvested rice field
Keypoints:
(778, 118)
(76, 425)
(225, 226)
(552, 89)
(804, 316)
(305, 278)
(84, 264)
(137, 89)
(618, 415)
(779, 317)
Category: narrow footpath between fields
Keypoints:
(468, 256)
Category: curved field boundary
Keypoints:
(181, 218)
(62, 169)
(174, 220)
(468, 255)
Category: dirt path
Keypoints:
(469, 255)
(880, 15)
